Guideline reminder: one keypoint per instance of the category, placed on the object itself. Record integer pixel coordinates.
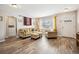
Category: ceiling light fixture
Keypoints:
(66, 9)
(14, 5)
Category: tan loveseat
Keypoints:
(51, 35)
(24, 32)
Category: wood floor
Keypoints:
(40, 46)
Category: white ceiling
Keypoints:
(36, 10)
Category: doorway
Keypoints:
(69, 25)
(66, 24)
(11, 26)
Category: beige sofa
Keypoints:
(24, 32)
(29, 32)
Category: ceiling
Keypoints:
(36, 10)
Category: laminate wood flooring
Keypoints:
(40, 46)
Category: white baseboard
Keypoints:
(2, 40)
(67, 37)
(17, 36)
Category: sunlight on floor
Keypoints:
(45, 47)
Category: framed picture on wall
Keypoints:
(27, 21)
(1, 19)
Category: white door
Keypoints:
(11, 26)
(69, 25)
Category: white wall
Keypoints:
(59, 25)
(2, 30)
(77, 20)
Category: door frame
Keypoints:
(74, 26)
(7, 36)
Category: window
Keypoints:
(47, 23)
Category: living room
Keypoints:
(41, 29)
